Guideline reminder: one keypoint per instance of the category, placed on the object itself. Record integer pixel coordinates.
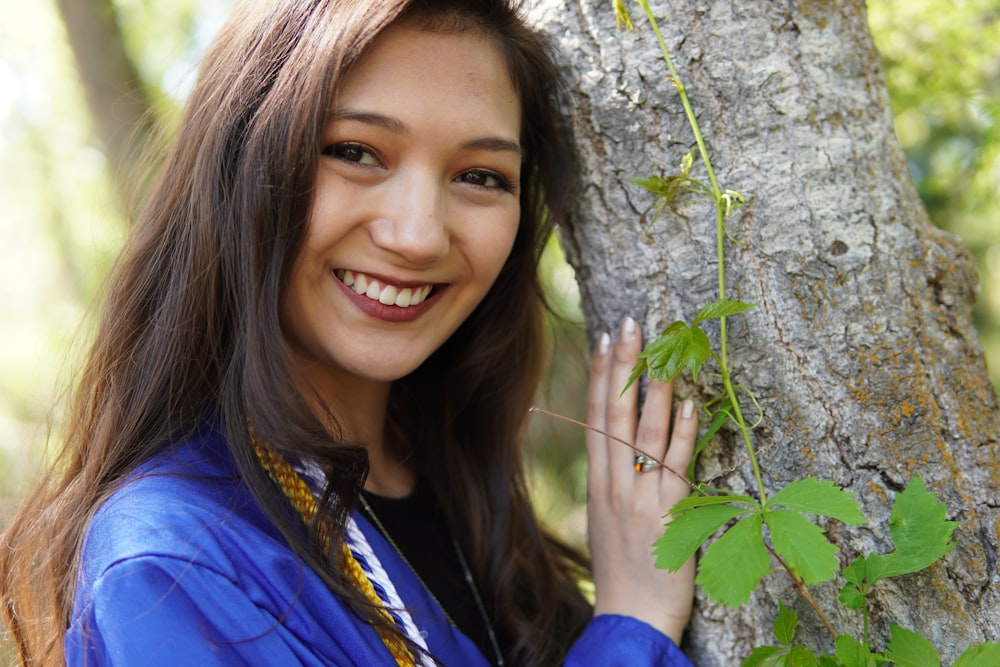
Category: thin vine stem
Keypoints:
(720, 228)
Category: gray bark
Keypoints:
(862, 350)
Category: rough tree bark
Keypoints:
(118, 103)
(862, 350)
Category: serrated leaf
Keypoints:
(920, 530)
(785, 624)
(910, 649)
(986, 654)
(677, 348)
(722, 308)
(734, 564)
(865, 571)
(765, 656)
(688, 530)
(800, 656)
(803, 545)
(851, 597)
(812, 496)
(852, 653)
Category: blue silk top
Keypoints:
(181, 567)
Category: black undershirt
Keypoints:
(418, 529)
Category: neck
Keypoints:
(361, 411)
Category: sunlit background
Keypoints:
(60, 224)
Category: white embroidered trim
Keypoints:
(358, 543)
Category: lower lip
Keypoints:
(381, 311)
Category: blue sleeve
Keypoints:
(155, 611)
(610, 640)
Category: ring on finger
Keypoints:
(645, 463)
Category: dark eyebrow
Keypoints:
(395, 126)
(371, 118)
(494, 144)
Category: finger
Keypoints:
(654, 425)
(679, 454)
(622, 408)
(597, 401)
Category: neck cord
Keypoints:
(302, 498)
(466, 571)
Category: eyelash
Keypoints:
(502, 183)
(339, 151)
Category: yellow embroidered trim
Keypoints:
(292, 485)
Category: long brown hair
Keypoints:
(190, 328)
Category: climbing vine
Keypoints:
(777, 527)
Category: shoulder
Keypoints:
(188, 503)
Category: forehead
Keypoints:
(411, 71)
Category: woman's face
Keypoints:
(415, 208)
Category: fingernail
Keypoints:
(628, 329)
(603, 343)
(687, 409)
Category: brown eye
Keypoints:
(481, 178)
(352, 152)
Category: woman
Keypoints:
(295, 440)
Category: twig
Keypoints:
(681, 476)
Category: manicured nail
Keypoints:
(603, 343)
(687, 409)
(628, 329)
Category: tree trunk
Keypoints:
(115, 95)
(862, 350)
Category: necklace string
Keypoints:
(304, 502)
(466, 571)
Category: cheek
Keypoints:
(497, 247)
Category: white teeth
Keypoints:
(389, 295)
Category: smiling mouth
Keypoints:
(384, 293)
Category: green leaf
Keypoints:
(722, 308)
(852, 653)
(785, 624)
(679, 347)
(865, 571)
(860, 575)
(688, 530)
(920, 531)
(824, 498)
(800, 656)
(910, 649)
(735, 563)
(803, 545)
(765, 656)
(667, 189)
(986, 654)
(852, 597)
(826, 661)
(719, 417)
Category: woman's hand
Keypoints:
(625, 508)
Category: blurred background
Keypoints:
(61, 222)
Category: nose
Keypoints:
(411, 220)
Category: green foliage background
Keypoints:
(61, 226)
